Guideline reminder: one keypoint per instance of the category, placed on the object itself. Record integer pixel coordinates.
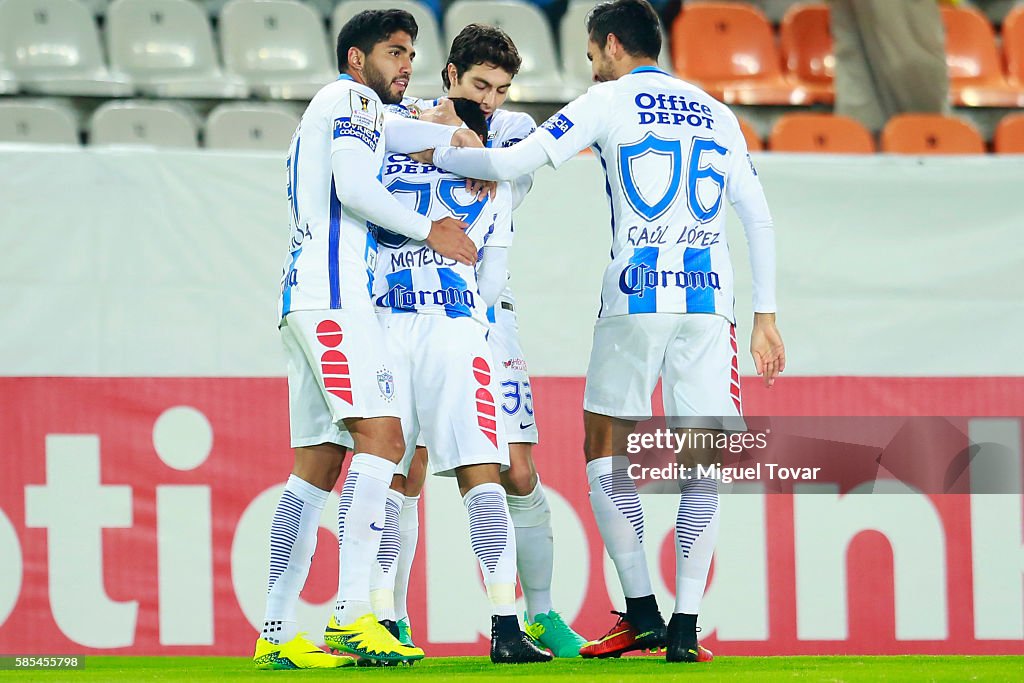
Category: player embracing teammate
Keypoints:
(671, 154)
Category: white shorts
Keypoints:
(694, 354)
(445, 391)
(513, 379)
(337, 368)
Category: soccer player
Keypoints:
(671, 155)
(339, 377)
(480, 67)
(435, 329)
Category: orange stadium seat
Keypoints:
(750, 134)
(975, 71)
(1013, 46)
(729, 50)
(931, 134)
(1009, 138)
(806, 42)
(820, 133)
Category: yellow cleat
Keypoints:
(297, 653)
(366, 638)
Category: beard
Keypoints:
(380, 85)
(604, 72)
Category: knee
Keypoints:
(596, 446)
(519, 482)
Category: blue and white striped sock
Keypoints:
(696, 535)
(382, 578)
(620, 519)
(293, 533)
(493, 539)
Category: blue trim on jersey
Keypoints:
(286, 294)
(490, 315)
(611, 211)
(650, 70)
(452, 280)
(702, 299)
(644, 260)
(333, 247)
(345, 77)
(403, 280)
(295, 181)
(371, 247)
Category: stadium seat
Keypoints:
(430, 53)
(1013, 47)
(1009, 137)
(806, 42)
(53, 48)
(930, 134)
(750, 134)
(166, 47)
(277, 46)
(729, 50)
(127, 122)
(250, 126)
(572, 37)
(540, 78)
(43, 121)
(827, 133)
(975, 72)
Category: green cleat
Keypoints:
(405, 632)
(550, 631)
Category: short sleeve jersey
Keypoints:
(671, 155)
(331, 252)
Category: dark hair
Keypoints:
(370, 27)
(472, 115)
(480, 44)
(634, 23)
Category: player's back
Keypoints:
(667, 148)
(410, 277)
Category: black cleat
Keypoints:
(391, 626)
(509, 645)
(682, 642)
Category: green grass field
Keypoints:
(225, 669)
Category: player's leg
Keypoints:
(293, 530)
(700, 387)
(345, 350)
(409, 532)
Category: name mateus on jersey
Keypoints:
(673, 110)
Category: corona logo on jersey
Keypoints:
(406, 299)
(637, 278)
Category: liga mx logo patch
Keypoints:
(386, 383)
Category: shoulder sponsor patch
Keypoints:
(364, 110)
(343, 127)
(558, 125)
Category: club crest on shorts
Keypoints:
(386, 383)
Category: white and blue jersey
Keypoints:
(330, 250)
(671, 154)
(410, 277)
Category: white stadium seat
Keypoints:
(53, 48)
(158, 124)
(166, 48)
(8, 83)
(573, 39)
(430, 53)
(277, 46)
(540, 78)
(39, 121)
(250, 126)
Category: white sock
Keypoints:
(535, 548)
(360, 523)
(493, 541)
(293, 533)
(620, 519)
(409, 526)
(696, 535)
(382, 577)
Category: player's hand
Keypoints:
(448, 238)
(464, 137)
(767, 348)
(443, 113)
(424, 157)
(482, 188)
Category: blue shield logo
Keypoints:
(668, 158)
(386, 384)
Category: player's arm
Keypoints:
(744, 191)
(405, 135)
(521, 186)
(558, 139)
(355, 177)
